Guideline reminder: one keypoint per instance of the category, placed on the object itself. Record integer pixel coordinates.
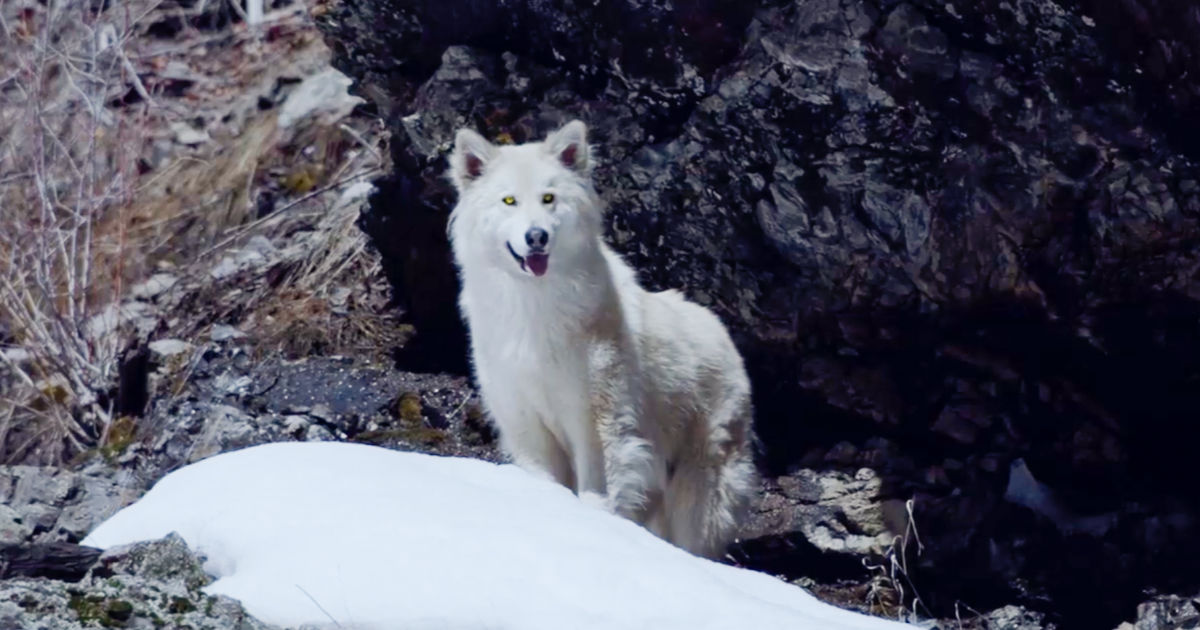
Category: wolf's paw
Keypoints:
(596, 500)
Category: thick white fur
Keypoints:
(637, 401)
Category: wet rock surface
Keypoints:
(946, 236)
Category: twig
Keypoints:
(461, 405)
(318, 605)
(136, 80)
(361, 140)
(279, 212)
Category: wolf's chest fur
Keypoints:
(537, 348)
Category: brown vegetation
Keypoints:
(137, 138)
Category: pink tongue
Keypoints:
(537, 263)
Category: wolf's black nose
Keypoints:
(537, 238)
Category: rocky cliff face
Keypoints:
(957, 242)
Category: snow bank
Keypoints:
(383, 539)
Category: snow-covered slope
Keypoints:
(383, 539)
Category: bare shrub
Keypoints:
(66, 165)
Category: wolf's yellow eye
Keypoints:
(509, 200)
(547, 198)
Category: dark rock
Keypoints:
(969, 228)
(60, 561)
(1160, 45)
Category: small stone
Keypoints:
(226, 267)
(154, 286)
(187, 135)
(323, 96)
(222, 332)
(166, 348)
(15, 355)
(295, 424)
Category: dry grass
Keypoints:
(325, 294)
(892, 592)
(335, 300)
(97, 191)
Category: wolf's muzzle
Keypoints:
(536, 262)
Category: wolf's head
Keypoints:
(524, 206)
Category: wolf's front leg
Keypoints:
(585, 452)
(533, 447)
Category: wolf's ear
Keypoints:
(469, 158)
(569, 145)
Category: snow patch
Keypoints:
(313, 533)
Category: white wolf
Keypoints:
(635, 400)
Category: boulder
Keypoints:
(969, 229)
